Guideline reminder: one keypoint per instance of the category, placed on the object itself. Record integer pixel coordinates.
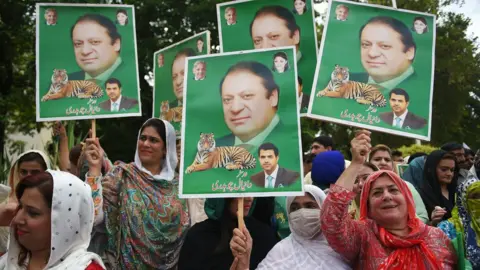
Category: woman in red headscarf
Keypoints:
(388, 235)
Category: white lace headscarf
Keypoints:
(170, 162)
(72, 216)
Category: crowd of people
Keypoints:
(355, 214)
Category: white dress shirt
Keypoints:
(112, 107)
(402, 119)
(274, 175)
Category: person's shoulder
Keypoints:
(257, 175)
(206, 226)
(289, 172)
(227, 140)
(132, 100)
(259, 229)
(359, 77)
(79, 75)
(386, 116)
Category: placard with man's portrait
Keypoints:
(241, 126)
(247, 25)
(376, 69)
(86, 62)
(169, 72)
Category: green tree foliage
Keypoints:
(415, 148)
(160, 23)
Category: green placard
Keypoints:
(401, 169)
(376, 69)
(169, 70)
(241, 126)
(246, 25)
(86, 62)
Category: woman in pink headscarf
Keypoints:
(388, 234)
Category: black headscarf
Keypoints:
(430, 189)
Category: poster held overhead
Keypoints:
(378, 73)
(240, 127)
(86, 62)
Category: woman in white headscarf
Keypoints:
(28, 163)
(306, 247)
(52, 227)
(145, 221)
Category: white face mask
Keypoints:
(305, 222)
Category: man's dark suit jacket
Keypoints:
(125, 103)
(305, 101)
(174, 104)
(275, 135)
(284, 177)
(411, 120)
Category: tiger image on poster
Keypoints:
(170, 115)
(229, 157)
(61, 87)
(341, 87)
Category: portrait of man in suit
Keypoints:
(97, 45)
(116, 101)
(200, 70)
(231, 15)
(50, 16)
(279, 20)
(272, 176)
(178, 73)
(250, 98)
(303, 99)
(387, 51)
(400, 117)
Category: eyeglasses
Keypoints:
(151, 139)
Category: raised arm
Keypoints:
(343, 234)
(59, 130)
(105, 189)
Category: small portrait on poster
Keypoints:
(122, 17)
(299, 7)
(51, 16)
(160, 60)
(342, 12)
(420, 25)
(280, 62)
(272, 174)
(200, 44)
(400, 117)
(116, 101)
(231, 16)
(200, 70)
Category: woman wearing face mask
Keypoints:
(388, 234)
(207, 243)
(28, 163)
(381, 156)
(438, 188)
(145, 220)
(306, 247)
(52, 227)
(464, 225)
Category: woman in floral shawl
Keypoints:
(464, 225)
(388, 234)
(145, 220)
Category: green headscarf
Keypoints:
(214, 208)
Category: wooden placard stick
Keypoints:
(241, 222)
(94, 129)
